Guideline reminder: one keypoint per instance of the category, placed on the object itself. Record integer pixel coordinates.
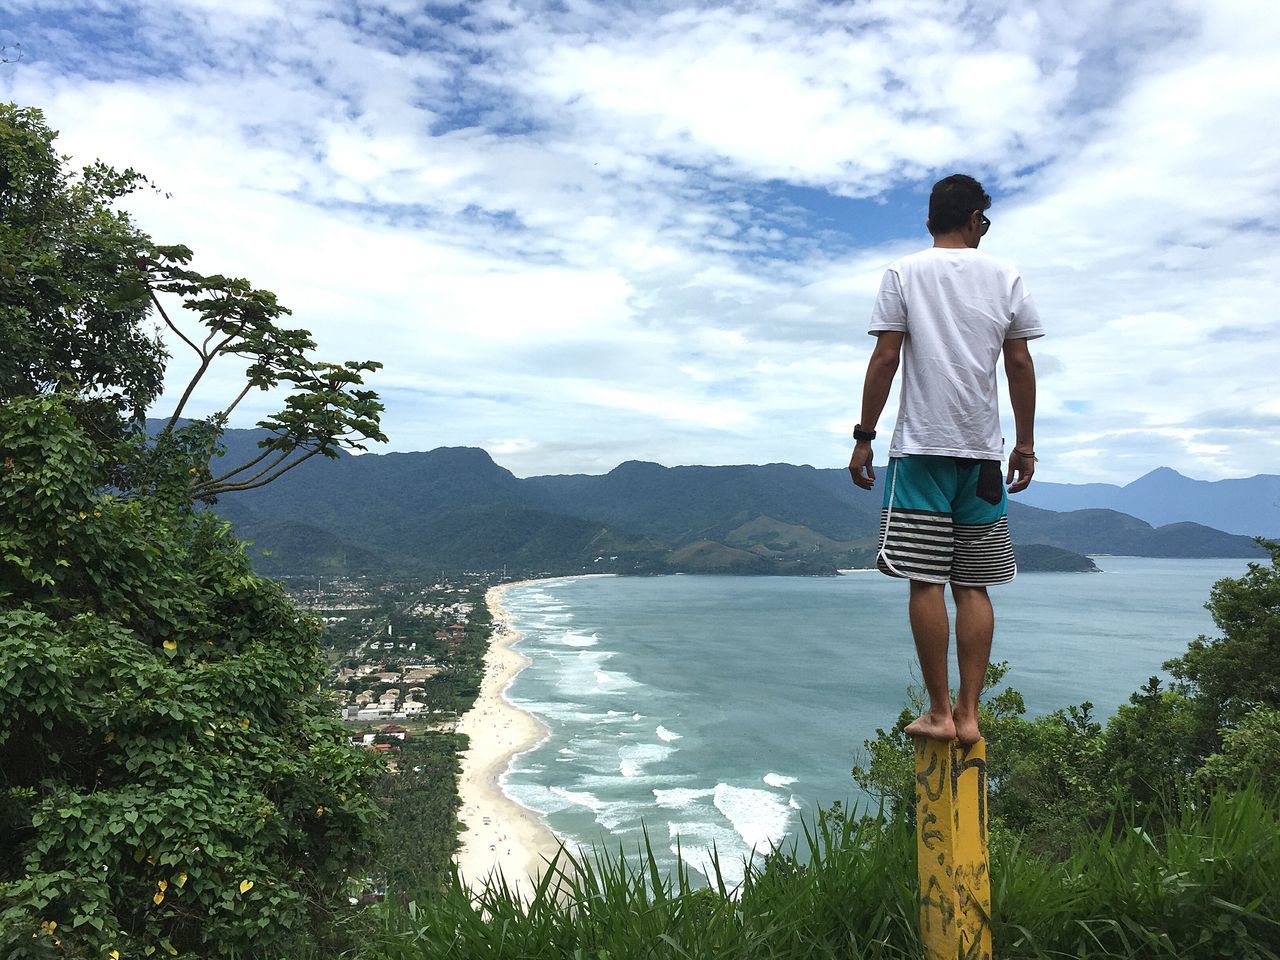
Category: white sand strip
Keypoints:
(500, 834)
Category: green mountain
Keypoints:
(454, 508)
(1246, 505)
(1108, 531)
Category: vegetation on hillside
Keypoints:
(172, 780)
(173, 777)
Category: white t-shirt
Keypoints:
(957, 308)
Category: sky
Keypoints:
(578, 233)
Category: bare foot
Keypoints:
(966, 725)
(936, 726)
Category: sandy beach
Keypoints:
(500, 834)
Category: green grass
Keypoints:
(1204, 886)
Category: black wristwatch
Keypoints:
(860, 434)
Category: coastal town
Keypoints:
(417, 670)
(399, 649)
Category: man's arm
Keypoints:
(1021, 373)
(881, 370)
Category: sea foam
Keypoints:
(634, 757)
(678, 798)
(694, 842)
(613, 680)
(778, 780)
(667, 735)
(759, 816)
(609, 814)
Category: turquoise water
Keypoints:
(716, 709)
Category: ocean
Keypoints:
(716, 710)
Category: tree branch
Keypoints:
(171, 325)
(213, 491)
(265, 470)
(252, 463)
(186, 394)
(236, 402)
(199, 374)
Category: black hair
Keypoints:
(953, 201)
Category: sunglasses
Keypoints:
(986, 225)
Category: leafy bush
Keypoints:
(172, 779)
(1250, 753)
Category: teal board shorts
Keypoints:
(936, 528)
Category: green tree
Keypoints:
(1231, 675)
(79, 286)
(73, 282)
(171, 779)
(1250, 752)
(172, 775)
(1153, 746)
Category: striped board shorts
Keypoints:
(934, 527)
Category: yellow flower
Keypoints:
(320, 810)
(182, 880)
(48, 926)
(114, 955)
(171, 644)
(244, 724)
(163, 885)
(246, 886)
(158, 899)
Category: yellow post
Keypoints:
(955, 885)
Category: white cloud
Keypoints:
(566, 230)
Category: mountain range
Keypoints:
(1249, 505)
(454, 508)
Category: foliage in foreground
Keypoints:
(172, 776)
(171, 780)
(1201, 886)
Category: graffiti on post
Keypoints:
(955, 888)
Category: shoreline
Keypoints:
(499, 834)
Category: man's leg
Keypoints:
(975, 625)
(932, 633)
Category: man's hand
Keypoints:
(860, 468)
(1023, 465)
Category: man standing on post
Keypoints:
(947, 313)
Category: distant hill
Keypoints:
(287, 547)
(1248, 506)
(454, 508)
(683, 504)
